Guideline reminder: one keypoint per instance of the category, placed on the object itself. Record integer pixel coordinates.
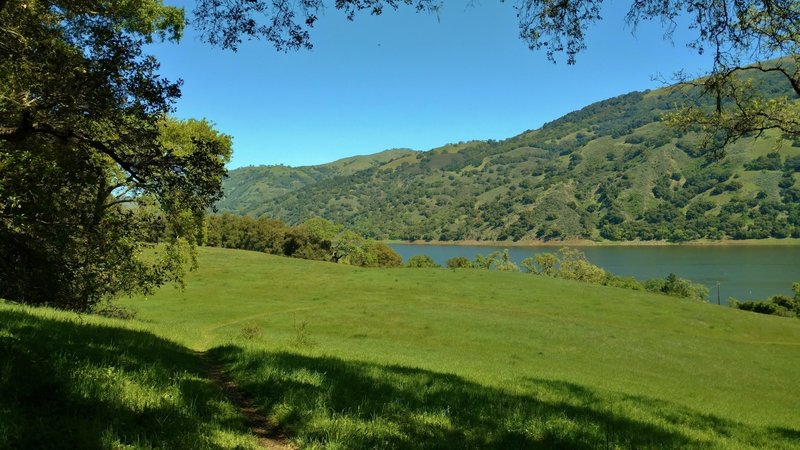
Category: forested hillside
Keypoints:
(612, 170)
(247, 188)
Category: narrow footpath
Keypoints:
(269, 435)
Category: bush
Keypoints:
(458, 262)
(421, 262)
(777, 305)
(677, 287)
(541, 264)
(386, 256)
(622, 282)
(574, 266)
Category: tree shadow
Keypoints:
(329, 401)
(65, 384)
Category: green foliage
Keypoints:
(504, 263)
(458, 262)
(90, 164)
(548, 185)
(484, 261)
(777, 305)
(316, 239)
(375, 254)
(677, 287)
(421, 262)
(573, 265)
(770, 161)
(541, 264)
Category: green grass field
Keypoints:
(344, 357)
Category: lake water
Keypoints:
(743, 272)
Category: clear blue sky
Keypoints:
(407, 80)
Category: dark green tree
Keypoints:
(90, 164)
(421, 262)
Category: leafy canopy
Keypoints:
(90, 163)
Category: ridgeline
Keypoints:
(613, 170)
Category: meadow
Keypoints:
(347, 357)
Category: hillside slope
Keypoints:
(612, 170)
(437, 358)
(248, 187)
(399, 358)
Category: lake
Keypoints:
(743, 272)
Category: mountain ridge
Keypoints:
(612, 170)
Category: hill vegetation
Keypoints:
(348, 357)
(315, 238)
(612, 170)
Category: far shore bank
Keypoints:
(590, 243)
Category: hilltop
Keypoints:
(612, 170)
(248, 187)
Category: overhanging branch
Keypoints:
(10, 134)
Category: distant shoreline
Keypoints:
(590, 243)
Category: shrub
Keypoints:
(541, 264)
(574, 266)
(420, 262)
(677, 287)
(458, 262)
(777, 305)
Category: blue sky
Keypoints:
(407, 80)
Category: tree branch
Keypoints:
(27, 128)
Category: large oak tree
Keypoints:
(90, 163)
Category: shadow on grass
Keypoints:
(70, 385)
(346, 404)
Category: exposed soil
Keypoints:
(269, 435)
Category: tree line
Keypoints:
(569, 264)
(316, 239)
(777, 305)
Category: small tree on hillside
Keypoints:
(421, 262)
(458, 262)
(541, 264)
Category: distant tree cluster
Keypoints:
(777, 305)
(572, 264)
(316, 239)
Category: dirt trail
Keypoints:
(269, 435)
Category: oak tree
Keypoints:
(91, 166)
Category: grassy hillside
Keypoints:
(81, 382)
(249, 187)
(344, 357)
(612, 170)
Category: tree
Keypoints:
(90, 163)
(733, 32)
(504, 264)
(674, 286)
(421, 262)
(458, 262)
(573, 265)
(541, 264)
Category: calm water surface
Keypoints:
(743, 272)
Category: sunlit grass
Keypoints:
(345, 357)
(80, 382)
(670, 369)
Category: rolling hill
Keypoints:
(612, 170)
(345, 357)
